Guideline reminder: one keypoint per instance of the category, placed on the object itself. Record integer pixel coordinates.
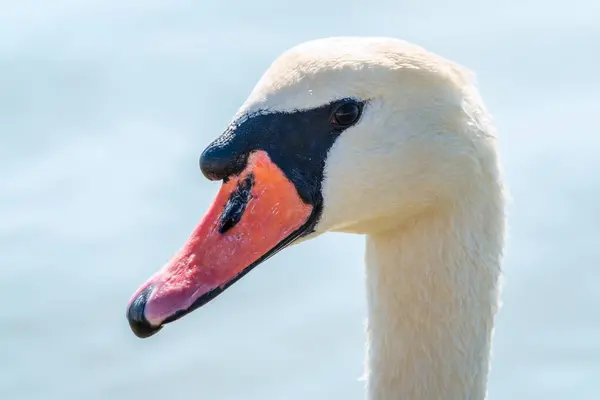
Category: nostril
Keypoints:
(218, 163)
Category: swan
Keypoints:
(372, 136)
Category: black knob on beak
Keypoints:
(219, 161)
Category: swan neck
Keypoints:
(432, 294)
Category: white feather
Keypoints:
(420, 176)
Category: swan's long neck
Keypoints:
(432, 295)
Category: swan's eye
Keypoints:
(347, 114)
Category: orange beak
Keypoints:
(255, 214)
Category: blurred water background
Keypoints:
(105, 107)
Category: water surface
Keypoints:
(105, 107)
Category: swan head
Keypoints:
(339, 134)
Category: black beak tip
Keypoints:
(137, 320)
(142, 329)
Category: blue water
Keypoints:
(105, 107)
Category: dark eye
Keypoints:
(346, 115)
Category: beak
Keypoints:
(255, 214)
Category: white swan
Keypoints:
(373, 136)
